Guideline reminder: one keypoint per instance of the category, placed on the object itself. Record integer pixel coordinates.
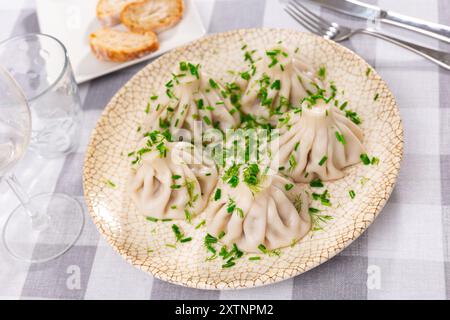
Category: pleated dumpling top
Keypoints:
(190, 98)
(279, 80)
(317, 141)
(271, 214)
(173, 182)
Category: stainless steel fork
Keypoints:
(336, 32)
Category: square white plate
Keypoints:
(71, 21)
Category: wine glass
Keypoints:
(42, 227)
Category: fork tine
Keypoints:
(312, 15)
(300, 21)
(304, 17)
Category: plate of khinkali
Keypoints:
(243, 158)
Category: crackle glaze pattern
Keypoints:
(143, 244)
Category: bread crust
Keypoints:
(108, 12)
(114, 52)
(134, 14)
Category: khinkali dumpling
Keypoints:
(266, 214)
(192, 96)
(281, 79)
(316, 141)
(173, 181)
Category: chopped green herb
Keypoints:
(288, 186)
(186, 239)
(375, 161)
(368, 71)
(316, 183)
(187, 214)
(375, 98)
(254, 258)
(178, 234)
(317, 219)
(201, 224)
(352, 194)
(353, 116)
(251, 175)
(111, 184)
(365, 159)
(322, 73)
(245, 75)
(276, 85)
(207, 120)
(292, 162)
(322, 161)
(340, 138)
(151, 219)
(175, 186)
(194, 70)
(218, 194)
(176, 176)
(213, 84)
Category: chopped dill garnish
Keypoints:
(254, 258)
(317, 219)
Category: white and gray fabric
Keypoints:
(405, 254)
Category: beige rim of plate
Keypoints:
(143, 243)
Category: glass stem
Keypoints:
(23, 197)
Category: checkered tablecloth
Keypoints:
(404, 254)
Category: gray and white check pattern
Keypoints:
(405, 254)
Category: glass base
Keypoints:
(48, 236)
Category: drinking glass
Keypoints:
(40, 65)
(43, 227)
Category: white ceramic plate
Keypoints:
(71, 21)
(144, 244)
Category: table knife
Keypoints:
(366, 11)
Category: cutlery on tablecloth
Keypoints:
(335, 32)
(366, 11)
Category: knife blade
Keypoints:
(367, 11)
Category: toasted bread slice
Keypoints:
(152, 15)
(115, 45)
(108, 11)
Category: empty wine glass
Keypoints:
(40, 65)
(43, 227)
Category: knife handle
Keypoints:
(435, 30)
